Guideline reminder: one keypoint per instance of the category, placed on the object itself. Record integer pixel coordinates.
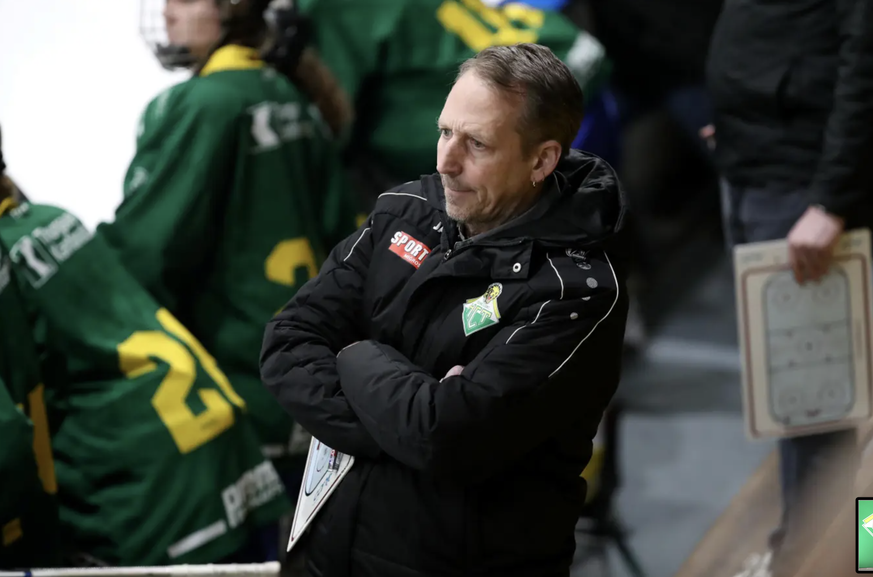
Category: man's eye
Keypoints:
(445, 132)
(476, 144)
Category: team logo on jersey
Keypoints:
(39, 265)
(47, 247)
(482, 312)
(409, 249)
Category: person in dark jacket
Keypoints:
(464, 343)
(792, 88)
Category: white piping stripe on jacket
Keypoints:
(598, 322)
(561, 280)
(559, 276)
(401, 194)
(356, 244)
(539, 312)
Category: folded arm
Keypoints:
(533, 379)
(298, 358)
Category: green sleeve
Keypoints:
(174, 190)
(17, 461)
(26, 515)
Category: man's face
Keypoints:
(486, 176)
(195, 24)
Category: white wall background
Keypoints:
(74, 77)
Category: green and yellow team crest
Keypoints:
(482, 312)
(864, 533)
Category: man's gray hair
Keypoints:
(553, 100)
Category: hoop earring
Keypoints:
(534, 183)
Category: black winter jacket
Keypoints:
(477, 474)
(792, 89)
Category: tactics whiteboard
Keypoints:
(806, 358)
(325, 468)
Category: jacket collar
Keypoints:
(582, 204)
(7, 203)
(232, 57)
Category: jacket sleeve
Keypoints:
(533, 379)
(298, 358)
(174, 191)
(842, 179)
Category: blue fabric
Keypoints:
(689, 106)
(600, 132)
(540, 4)
(262, 546)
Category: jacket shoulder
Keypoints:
(402, 194)
(570, 273)
(407, 201)
(196, 96)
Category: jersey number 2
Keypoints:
(189, 431)
(470, 20)
(287, 258)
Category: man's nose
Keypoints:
(449, 157)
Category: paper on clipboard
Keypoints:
(325, 468)
(806, 357)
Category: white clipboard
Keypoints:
(806, 350)
(325, 468)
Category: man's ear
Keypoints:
(547, 156)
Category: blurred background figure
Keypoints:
(156, 459)
(28, 486)
(397, 61)
(235, 193)
(792, 88)
(657, 90)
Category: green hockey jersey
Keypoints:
(155, 457)
(399, 58)
(28, 509)
(28, 514)
(233, 199)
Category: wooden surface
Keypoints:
(834, 554)
(740, 533)
(742, 530)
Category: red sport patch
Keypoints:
(409, 249)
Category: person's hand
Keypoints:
(811, 244)
(707, 134)
(453, 372)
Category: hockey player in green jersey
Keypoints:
(397, 59)
(155, 456)
(28, 509)
(28, 515)
(234, 196)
